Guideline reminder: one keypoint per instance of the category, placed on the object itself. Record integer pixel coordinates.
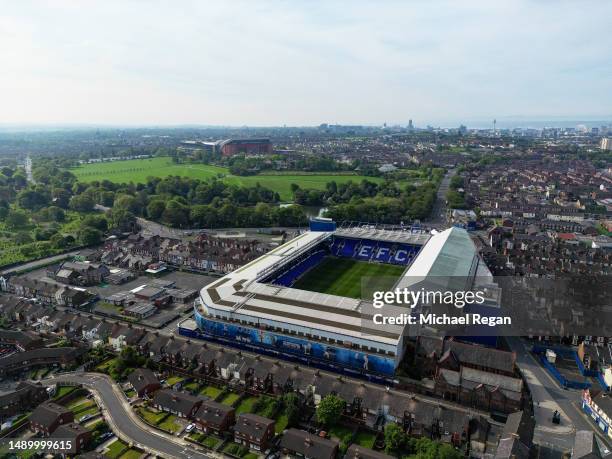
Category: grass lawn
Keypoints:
(339, 432)
(130, 393)
(210, 391)
(206, 440)
(342, 276)
(131, 454)
(281, 423)
(137, 170)
(365, 439)
(211, 442)
(230, 398)
(103, 367)
(38, 373)
(250, 455)
(169, 425)
(63, 390)
(192, 386)
(81, 406)
(95, 424)
(246, 405)
(115, 449)
(172, 380)
(150, 416)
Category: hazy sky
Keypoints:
(303, 63)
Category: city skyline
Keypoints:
(271, 64)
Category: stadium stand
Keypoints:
(373, 251)
(287, 278)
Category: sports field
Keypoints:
(137, 171)
(342, 276)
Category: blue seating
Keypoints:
(375, 251)
(288, 278)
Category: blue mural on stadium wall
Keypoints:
(311, 350)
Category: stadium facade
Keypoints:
(257, 308)
(232, 147)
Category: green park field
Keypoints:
(342, 276)
(138, 170)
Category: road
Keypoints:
(437, 217)
(125, 422)
(547, 397)
(39, 263)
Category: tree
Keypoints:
(61, 197)
(82, 203)
(176, 214)
(32, 199)
(59, 241)
(292, 408)
(127, 202)
(95, 221)
(6, 171)
(395, 438)
(44, 234)
(121, 219)
(155, 209)
(330, 409)
(22, 237)
(89, 236)
(17, 219)
(51, 214)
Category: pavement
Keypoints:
(547, 397)
(125, 423)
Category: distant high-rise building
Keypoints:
(410, 126)
(606, 143)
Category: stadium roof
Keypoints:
(447, 257)
(377, 234)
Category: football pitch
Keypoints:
(342, 276)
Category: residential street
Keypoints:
(39, 263)
(437, 218)
(125, 422)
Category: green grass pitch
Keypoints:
(138, 170)
(342, 276)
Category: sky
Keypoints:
(265, 63)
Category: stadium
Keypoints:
(303, 300)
